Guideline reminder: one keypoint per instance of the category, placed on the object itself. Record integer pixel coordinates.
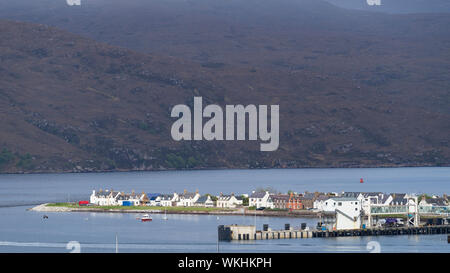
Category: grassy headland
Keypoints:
(144, 208)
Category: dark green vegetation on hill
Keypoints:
(354, 88)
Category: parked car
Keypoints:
(393, 222)
(390, 222)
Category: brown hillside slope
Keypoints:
(70, 104)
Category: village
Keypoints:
(263, 199)
(345, 210)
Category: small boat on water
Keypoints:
(146, 218)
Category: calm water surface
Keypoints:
(26, 231)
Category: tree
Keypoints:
(5, 157)
(245, 200)
(213, 197)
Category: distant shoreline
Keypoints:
(51, 207)
(225, 168)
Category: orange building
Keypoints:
(294, 202)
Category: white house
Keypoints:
(319, 202)
(133, 198)
(433, 202)
(168, 200)
(104, 198)
(260, 200)
(155, 201)
(332, 203)
(348, 212)
(367, 199)
(400, 199)
(374, 198)
(228, 201)
(187, 199)
(204, 201)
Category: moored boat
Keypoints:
(146, 218)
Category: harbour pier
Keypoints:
(246, 233)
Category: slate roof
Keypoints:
(370, 194)
(187, 195)
(224, 197)
(343, 199)
(384, 198)
(105, 193)
(322, 198)
(283, 197)
(351, 194)
(437, 201)
(399, 199)
(309, 195)
(258, 194)
(202, 199)
(166, 196)
(399, 195)
(128, 196)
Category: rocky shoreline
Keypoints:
(238, 212)
(162, 169)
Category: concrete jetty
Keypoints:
(239, 232)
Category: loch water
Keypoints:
(22, 230)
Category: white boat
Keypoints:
(146, 218)
(165, 215)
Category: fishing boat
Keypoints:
(146, 218)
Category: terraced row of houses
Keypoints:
(185, 199)
(326, 202)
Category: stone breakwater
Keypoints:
(240, 212)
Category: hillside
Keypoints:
(356, 89)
